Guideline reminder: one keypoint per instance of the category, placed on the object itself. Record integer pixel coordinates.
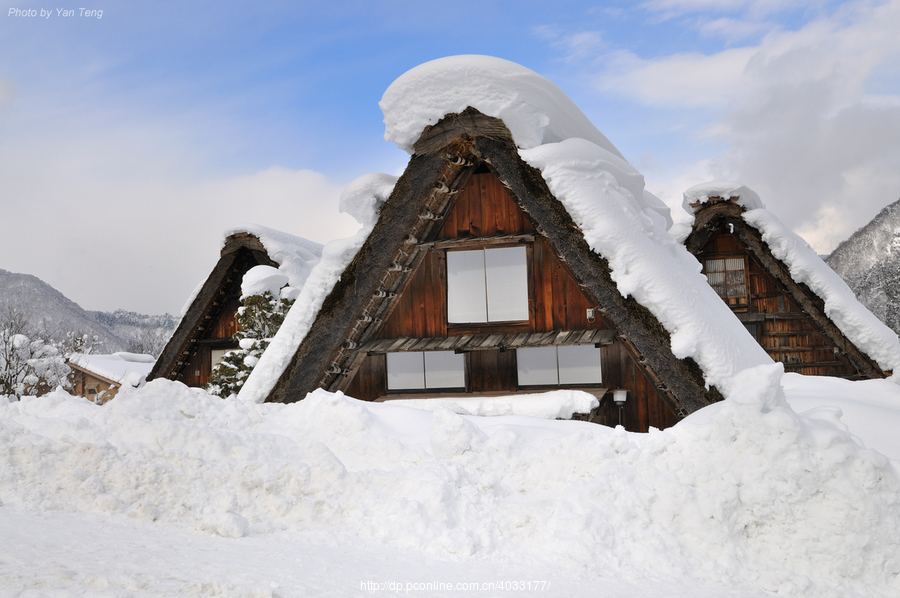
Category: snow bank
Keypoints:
(744, 493)
(121, 368)
(557, 404)
(602, 193)
(535, 110)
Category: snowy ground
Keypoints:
(166, 491)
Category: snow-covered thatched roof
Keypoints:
(600, 191)
(243, 249)
(857, 323)
(119, 368)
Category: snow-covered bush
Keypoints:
(259, 318)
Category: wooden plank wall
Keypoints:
(484, 209)
(786, 333)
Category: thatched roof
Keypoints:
(712, 215)
(242, 251)
(445, 157)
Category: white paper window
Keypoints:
(405, 371)
(425, 370)
(579, 364)
(466, 288)
(537, 366)
(487, 285)
(556, 366)
(216, 355)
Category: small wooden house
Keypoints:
(98, 378)
(785, 316)
(476, 281)
(206, 330)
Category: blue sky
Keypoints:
(130, 142)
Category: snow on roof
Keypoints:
(738, 193)
(600, 191)
(362, 199)
(604, 194)
(856, 322)
(534, 110)
(364, 196)
(294, 255)
(121, 367)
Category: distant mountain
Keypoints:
(54, 315)
(869, 262)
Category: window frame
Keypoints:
(483, 246)
(735, 302)
(463, 372)
(559, 382)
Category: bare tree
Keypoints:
(150, 341)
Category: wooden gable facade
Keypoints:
(206, 331)
(92, 386)
(783, 315)
(397, 318)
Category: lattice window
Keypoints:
(728, 277)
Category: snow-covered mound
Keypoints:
(745, 493)
(534, 110)
(556, 404)
(262, 279)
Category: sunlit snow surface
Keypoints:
(745, 494)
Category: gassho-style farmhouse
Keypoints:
(519, 256)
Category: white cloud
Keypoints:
(732, 30)
(138, 219)
(810, 117)
(683, 80)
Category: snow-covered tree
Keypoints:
(264, 305)
(28, 364)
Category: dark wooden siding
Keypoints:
(780, 326)
(485, 209)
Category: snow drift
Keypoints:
(745, 492)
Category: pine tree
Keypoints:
(259, 318)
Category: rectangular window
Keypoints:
(727, 276)
(487, 285)
(417, 370)
(559, 366)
